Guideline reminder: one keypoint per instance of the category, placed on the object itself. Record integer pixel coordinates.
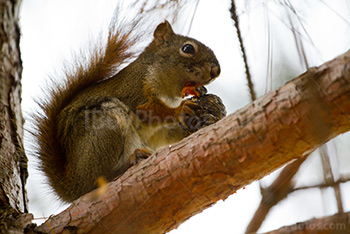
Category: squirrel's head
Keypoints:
(178, 65)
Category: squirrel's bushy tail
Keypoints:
(103, 62)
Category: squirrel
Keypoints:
(98, 124)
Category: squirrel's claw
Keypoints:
(188, 118)
(139, 155)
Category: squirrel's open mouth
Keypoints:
(190, 89)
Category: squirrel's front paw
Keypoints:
(202, 111)
(189, 121)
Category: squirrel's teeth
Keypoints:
(189, 90)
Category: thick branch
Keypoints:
(181, 180)
(338, 223)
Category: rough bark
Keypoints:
(13, 161)
(181, 180)
(336, 224)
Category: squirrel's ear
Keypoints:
(163, 32)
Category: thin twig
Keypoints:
(235, 19)
(324, 185)
(192, 18)
(336, 13)
(305, 37)
(329, 177)
(269, 51)
(298, 42)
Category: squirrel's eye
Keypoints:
(188, 49)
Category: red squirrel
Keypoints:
(97, 125)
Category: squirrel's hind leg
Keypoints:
(106, 144)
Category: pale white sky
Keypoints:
(52, 30)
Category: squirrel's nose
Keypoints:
(215, 70)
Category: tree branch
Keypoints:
(323, 185)
(336, 224)
(181, 180)
(274, 193)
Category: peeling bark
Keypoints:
(181, 180)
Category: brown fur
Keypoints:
(88, 127)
